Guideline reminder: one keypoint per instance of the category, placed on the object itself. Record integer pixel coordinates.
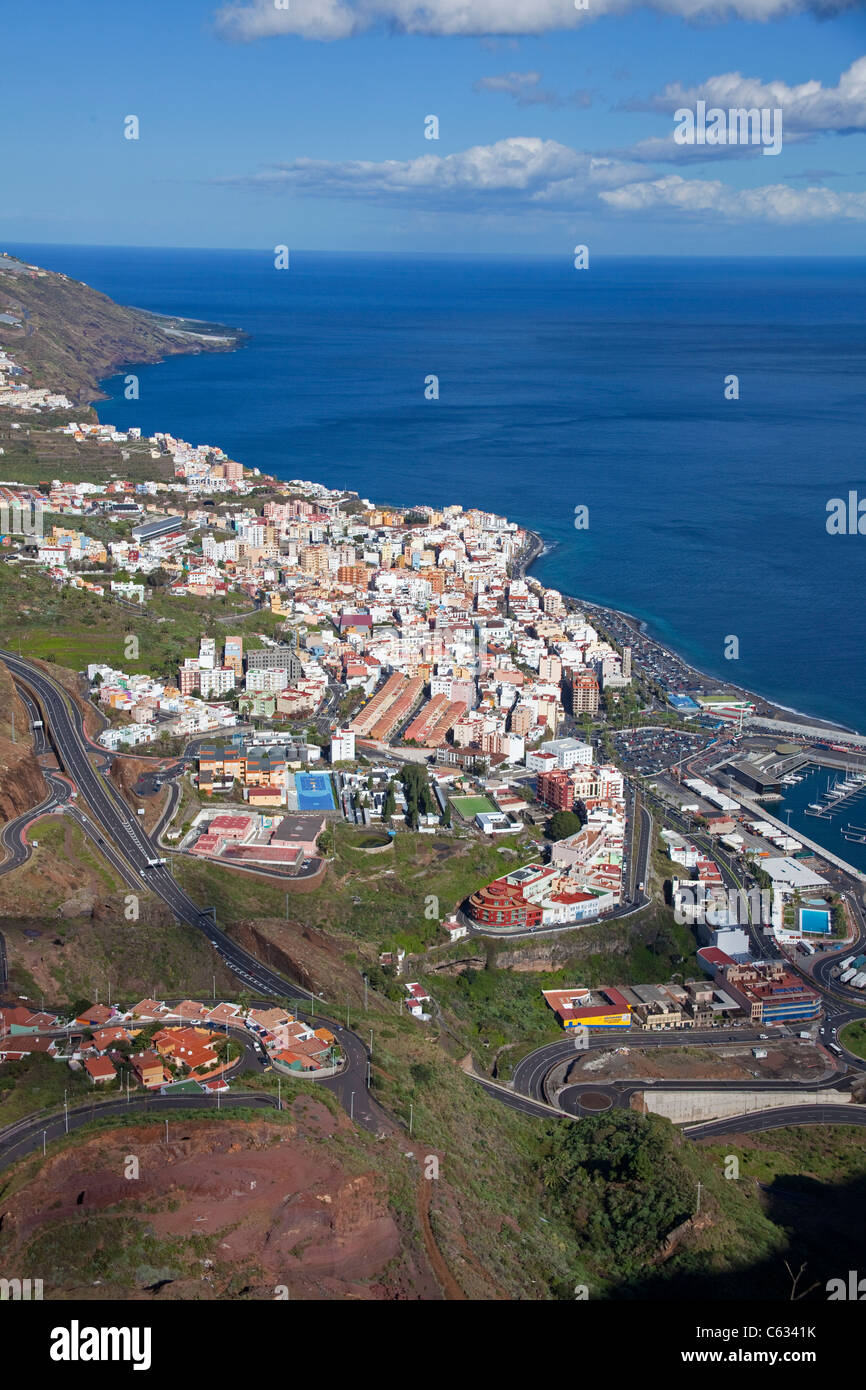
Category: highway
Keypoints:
(531, 1072)
(28, 1135)
(126, 845)
(778, 1119)
(124, 842)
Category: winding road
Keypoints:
(125, 843)
(120, 837)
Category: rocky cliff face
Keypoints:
(301, 953)
(22, 785)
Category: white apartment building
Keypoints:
(207, 653)
(569, 752)
(342, 746)
(267, 682)
(218, 680)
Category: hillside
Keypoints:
(71, 336)
(21, 782)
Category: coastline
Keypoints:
(220, 337)
(539, 548)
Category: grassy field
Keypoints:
(74, 628)
(470, 806)
(389, 900)
(853, 1036)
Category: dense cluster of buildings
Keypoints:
(765, 992)
(286, 843)
(418, 614)
(153, 707)
(584, 877)
(292, 683)
(182, 1051)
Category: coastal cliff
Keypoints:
(69, 336)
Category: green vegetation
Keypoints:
(418, 793)
(620, 1185)
(853, 1036)
(74, 628)
(471, 806)
(36, 454)
(563, 824)
(380, 899)
(36, 1083)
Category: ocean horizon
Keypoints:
(557, 389)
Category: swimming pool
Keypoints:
(812, 920)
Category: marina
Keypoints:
(841, 793)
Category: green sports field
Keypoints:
(469, 806)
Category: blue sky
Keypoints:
(305, 126)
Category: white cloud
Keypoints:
(523, 173)
(773, 203)
(807, 108)
(511, 82)
(520, 170)
(524, 88)
(246, 20)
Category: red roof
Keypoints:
(99, 1068)
(713, 956)
(229, 823)
(619, 1000)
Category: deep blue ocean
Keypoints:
(559, 388)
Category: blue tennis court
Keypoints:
(315, 792)
(811, 920)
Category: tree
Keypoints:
(563, 824)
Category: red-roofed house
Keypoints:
(96, 1016)
(99, 1069)
(104, 1038)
